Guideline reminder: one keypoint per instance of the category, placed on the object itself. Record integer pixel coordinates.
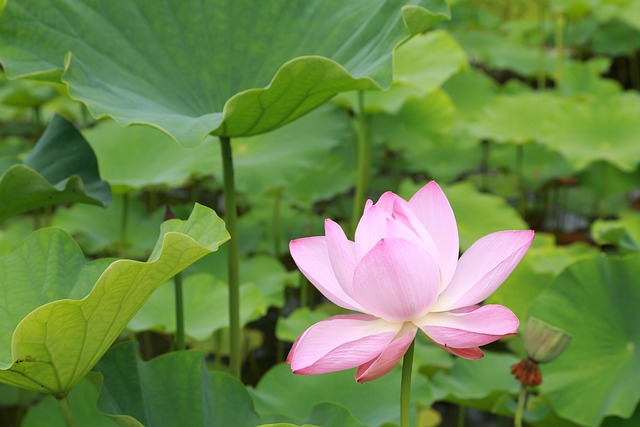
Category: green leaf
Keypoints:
(534, 273)
(206, 307)
(373, 403)
(276, 159)
(420, 66)
(200, 68)
(99, 230)
(623, 232)
(323, 414)
(423, 135)
(496, 51)
(589, 130)
(83, 402)
(171, 390)
(50, 338)
(140, 156)
(479, 383)
(601, 366)
(60, 169)
(291, 327)
(516, 118)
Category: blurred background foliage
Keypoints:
(528, 115)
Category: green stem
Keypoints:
(604, 187)
(178, 343)
(520, 173)
(484, 166)
(304, 291)
(541, 75)
(522, 398)
(461, 415)
(66, 412)
(364, 164)
(405, 388)
(276, 222)
(559, 46)
(230, 217)
(124, 218)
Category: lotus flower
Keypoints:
(403, 273)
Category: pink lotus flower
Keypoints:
(404, 274)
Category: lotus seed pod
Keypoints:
(544, 342)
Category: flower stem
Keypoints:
(559, 30)
(405, 388)
(522, 397)
(179, 338)
(66, 412)
(276, 222)
(230, 218)
(461, 415)
(364, 164)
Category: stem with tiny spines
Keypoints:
(364, 164)
(179, 337)
(522, 397)
(230, 218)
(66, 411)
(405, 387)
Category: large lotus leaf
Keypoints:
(623, 232)
(477, 214)
(262, 271)
(515, 118)
(479, 383)
(590, 130)
(291, 327)
(275, 159)
(503, 53)
(616, 39)
(420, 66)
(581, 78)
(325, 179)
(373, 403)
(135, 157)
(83, 402)
(540, 164)
(206, 307)
(470, 91)
(231, 68)
(630, 13)
(60, 315)
(323, 414)
(601, 367)
(175, 389)
(535, 272)
(422, 133)
(99, 231)
(60, 169)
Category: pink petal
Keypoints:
(371, 228)
(397, 280)
(340, 342)
(389, 357)
(387, 201)
(406, 224)
(342, 255)
(470, 326)
(473, 353)
(434, 211)
(483, 267)
(312, 258)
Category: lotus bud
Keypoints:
(544, 342)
